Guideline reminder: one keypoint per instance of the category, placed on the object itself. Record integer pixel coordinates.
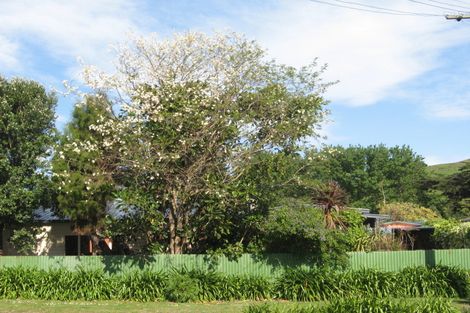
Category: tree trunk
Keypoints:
(175, 222)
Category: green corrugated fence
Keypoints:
(397, 260)
(266, 265)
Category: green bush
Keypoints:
(140, 286)
(325, 284)
(184, 285)
(212, 286)
(451, 234)
(280, 308)
(363, 305)
(387, 305)
(181, 288)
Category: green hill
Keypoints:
(440, 171)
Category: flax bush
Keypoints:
(324, 284)
(363, 305)
(185, 285)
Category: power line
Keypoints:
(433, 5)
(454, 5)
(386, 9)
(377, 11)
(459, 1)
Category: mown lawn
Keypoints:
(40, 306)
(43, 306)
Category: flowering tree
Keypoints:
(192, 112)
(83, 183)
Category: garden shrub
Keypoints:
(451, 234)
(181, 288)
(324, 284)
(363, 305)
(297, 284)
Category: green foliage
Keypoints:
(323, 284)
(24, 239)
(438, 201)
(83, 188)
(356, 234)
(378, 240)
(183, 285)
(331, 199)
(363, 305)
(451, 234)
(281, 308)
(371, 175)
(451, 191)
(60, 284)
(387, 305)
(141, 225)
(141, 285)
(188, 138)
(298, 228)
(458, 189)
(405, 211)
(27, 134)
(440, 171)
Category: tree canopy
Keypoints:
(26, 137)
(193, 112)
(371, 175)
(83, 186)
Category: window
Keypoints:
(78, 245)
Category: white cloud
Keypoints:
(8, 54)
(450, 111)
(67, 29)
(328, 134)
(370, 54)
(434, 159)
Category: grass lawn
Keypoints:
(42, 306)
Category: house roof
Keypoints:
(47, 215)
(113, 209)
(377, 216)
(404, 225)
(366, 213)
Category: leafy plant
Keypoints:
(331, 198)
(363, 305)
(406, 211)
(181, 287)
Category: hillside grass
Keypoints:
(440, 171)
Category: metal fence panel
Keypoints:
(247, 264)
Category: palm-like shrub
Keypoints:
(331, 198)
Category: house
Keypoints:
(373, 220)
(415, 235)
(55, 237)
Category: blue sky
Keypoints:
(403, 79)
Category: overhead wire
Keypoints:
(433, 5)
(373, 9)
(460, 1)
(386, 9)
(450, 4)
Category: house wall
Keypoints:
(49, 241)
